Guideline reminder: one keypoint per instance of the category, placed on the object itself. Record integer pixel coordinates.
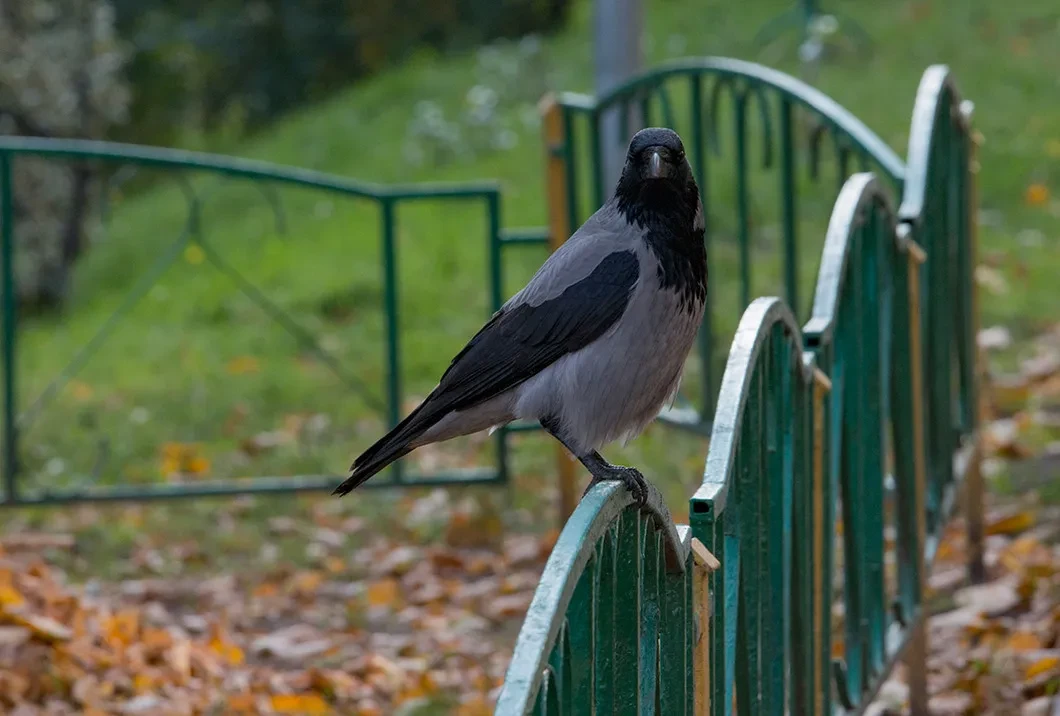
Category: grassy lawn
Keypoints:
(197, 379)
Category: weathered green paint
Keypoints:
(809, 424)
(615, 577)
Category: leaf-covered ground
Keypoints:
(389, 627)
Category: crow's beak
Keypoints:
(655, 166)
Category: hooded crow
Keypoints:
(594, 346)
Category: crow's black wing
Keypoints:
(522, 340)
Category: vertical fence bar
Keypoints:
(496, 278)
(8, 298)
(973, 491)
(699, 166)
(559, 187)
(393, 322)
(823, 522)
(787, 193)
(742, 210)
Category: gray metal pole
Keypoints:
(618, 56)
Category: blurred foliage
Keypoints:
(60, 76)
(205, 65)
(510, 77)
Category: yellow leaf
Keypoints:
(383, 592)
(183, 458)
(221, 646)
(1011, 524)
(143, 682)
(299, 704)
(1041, 666)
(243, 365)
(1036, 194)
(334, 565)
(10, 597)
(194, 254)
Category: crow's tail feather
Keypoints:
(392, 446)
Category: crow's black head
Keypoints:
(656, 154)
(656, 175)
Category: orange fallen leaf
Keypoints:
(1011, 524)
(299, 704)
(1023, 641)
(1041, 666)
(383, 592)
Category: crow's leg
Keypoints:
(601, 469)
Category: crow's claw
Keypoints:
(628, 476)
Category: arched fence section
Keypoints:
(612, 623)
(820, 443)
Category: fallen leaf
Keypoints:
(299, 704)
(1012, 523)
(1041, 666)
(383, 592)
(1023, 641)
(1036, 195)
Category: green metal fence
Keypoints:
(810, 425)
(728, 111)
(19, 409)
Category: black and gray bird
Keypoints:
(594, 346)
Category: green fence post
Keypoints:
(393, 324)
(8, 298)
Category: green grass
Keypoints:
(165, 373)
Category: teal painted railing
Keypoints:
(811, 424)
(19, 410)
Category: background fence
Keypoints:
(31, 388)
(822, 437)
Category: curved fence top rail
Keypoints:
(544, 618)
(787, 85)
(935, 85)
(237, 167)
(857, 192)
(751, 336)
